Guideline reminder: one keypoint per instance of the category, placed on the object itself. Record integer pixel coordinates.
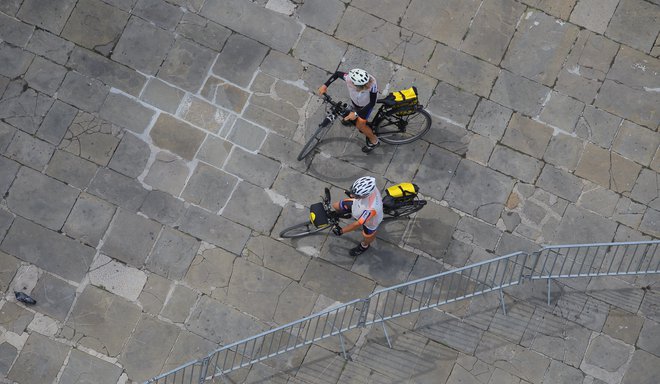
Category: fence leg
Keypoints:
(387, 337)
(343, 348)
(548, 292)
(502, 302)
(202, 370)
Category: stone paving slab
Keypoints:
(148, 164)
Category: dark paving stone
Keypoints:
(87, 369)
(130, 238)
(142, 46)
(50, 46)
(187, 65)
(83, 92)
(172, 254)
(89, 219)
(209, 187)
(118, 189)
(214, 229)
(49, 15)
(54, 296)
(203, 31)
(131, 156)
(220, 323)
(39, 361)
(71, 169)
(239, 58)
(95, 25)
(159, 12)
(162, 207)
(23, 107)
(56, 122)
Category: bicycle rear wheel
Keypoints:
(316, 138)
(407, 209)
(300, 230)
(404, 130)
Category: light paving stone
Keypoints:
(225, 94)
(142, 46)
(436, 171)
(492, 29)
(49, 251)
(162, 207)
(515, 164)
(527, 365)
(634, 69)
(643, 368)
(209, 187)
(14, 31)
(154, 294)
(292, 93)
(298, 187)
(107, 333)
(23, 107)
(471, 370)
(561, 111)
(8, 267)
(83, 368)
(323, 15)
(446, 21)
(130, 238)
(607, 169)
(606, 358)
(202, 114)
(182, 70)
(147, 348)
(387, 265)
(519, 93)
(560, 183)
(95, 25)
(244, 194)
(91, 138)
(50, 46)
(162, 95)
(56, 122)
(7, 355)
(276, 106)
(159, 12)
(54, 296)
(452, 103)
(276, 256)
(624, 325)
(558, 8)
(45, 76)
(214, 229)
(335, 282)
(7, 133)
(598, 126)
(210, 270)
(381, 38)
(214, 151)
(247, 135)
(30, 151)
(592, 17)
(239, 59)
(172, 254)
(636, 143)
(168, 173)
(49, 16)
(646, 340)
(598, 199)
(203, 31)
(647, 189)
(571, 82)
(246, 17)
(628, 212)
(126, 113)
(634, 23)
(490, 119)
(462, 70)
(540, 67)
(562, 373)
(402, 163)
(40, 198)
(10, 8)
(220, 323)
(177, 136)
(14, 60)
(117, 189)
(179, 304)
(71, 169)
(650, 222)
(39, 361)
(486, 205)
(254, 168)
(282, 66)
(580, 226)
(83, 92)
(188, 346)
(116, 278)
(655, 164)
(255, 290)
(322, 50)
(89, 219)
(632, 104)
(527, 136)
(15, 318)
(283, 150)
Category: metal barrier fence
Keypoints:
(551, 262)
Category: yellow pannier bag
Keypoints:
(407, 95)
(405, 101)
(402, 190)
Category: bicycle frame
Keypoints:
(386, 112)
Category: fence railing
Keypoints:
(550, 262)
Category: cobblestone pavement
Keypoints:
(148, 164)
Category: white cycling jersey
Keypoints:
(361, 98)
(369, 210)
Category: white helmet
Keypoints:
(358, 76)
(363, 186)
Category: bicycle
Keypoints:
(392, 124)
(323, 216)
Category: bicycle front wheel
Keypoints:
(316, 138)
(300, 230)
(405, 129)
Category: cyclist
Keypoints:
(366, 206)
(363, 90)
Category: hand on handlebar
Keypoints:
(351, 116)
(337, 230)
(323, 89)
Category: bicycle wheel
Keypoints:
(316, 138)
(300, 230)
(408, 209)
(404, 130)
